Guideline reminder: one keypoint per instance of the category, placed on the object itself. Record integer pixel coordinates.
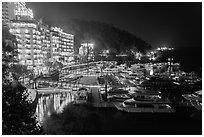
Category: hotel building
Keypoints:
(62, 46)
(37, 42)
(28, 35)
(29, 42)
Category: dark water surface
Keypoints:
(179, 123)
(186, 120)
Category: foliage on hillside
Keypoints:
(105, 36)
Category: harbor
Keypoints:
(119, 102)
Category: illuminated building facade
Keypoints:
(15, 11)
(62, 46)
(8, 12)
(29, 40)
(23, 13)
(86, 52)
(45, 39)
(37, 42)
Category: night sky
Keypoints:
(177, 25)
(170, 24)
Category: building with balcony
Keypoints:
(15, 11)
(62, 46)
(37, 42)
(22, 12)
(29, 39)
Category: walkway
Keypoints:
(96, 97)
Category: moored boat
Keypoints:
(119, 97)
(197, 96)
(195, 99)
(81, 96)
(143, 107)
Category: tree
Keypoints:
(9, 55)
(57, 65)
(17, 113)
(20, 71)
(48, 64)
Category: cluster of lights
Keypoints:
(89, 45)
(138, 55)
(67, 35)
(21, 10)
(63, 39)
(23, 28)
(57, 29)
(26, 25)
(152, 54)
(153, 58)
(165, 48)
(24, 12)
(83, 50)
(105, 53)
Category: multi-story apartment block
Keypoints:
(62, 46)
(46, 40)
(29, 40)
(28, 33)
(15, 11)
(37, 42)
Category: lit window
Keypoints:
(18, 30)
(26, 30)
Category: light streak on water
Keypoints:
(52, 103)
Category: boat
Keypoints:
(115, 91)
(150, 99)
(81, 96)
(145, 97)
(195, 99)
(197, 105)
(143, 107)
(119, 97)
(197, 96)
(147, 91)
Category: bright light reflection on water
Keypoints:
(52, 103)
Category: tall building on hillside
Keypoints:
(62, 46)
